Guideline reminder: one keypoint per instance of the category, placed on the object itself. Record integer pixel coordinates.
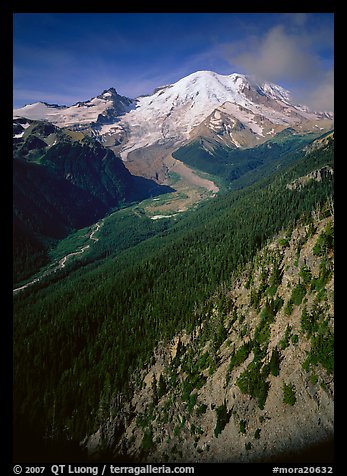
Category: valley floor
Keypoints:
(61, 263)
(190, 190)
(189, 176)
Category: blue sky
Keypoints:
(63, 58)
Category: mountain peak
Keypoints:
(173, 111)
(109, 92)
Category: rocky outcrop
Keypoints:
(317, 175)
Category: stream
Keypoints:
(62, 262)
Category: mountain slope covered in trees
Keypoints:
(73, 364)
(241, 167)
(64, 180)
(253, 380)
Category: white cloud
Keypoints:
(321, 97)
(289, 55)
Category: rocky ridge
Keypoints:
(317, 175)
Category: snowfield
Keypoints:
(171, 113)
(65, 116)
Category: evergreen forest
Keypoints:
(81, 334)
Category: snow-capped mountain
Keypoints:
(235, 110)
(99, 110)
(222, 104)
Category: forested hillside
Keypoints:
(72, 361)
(253, 380)
(238, 168)
(62, 181)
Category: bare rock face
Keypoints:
(317, 175)
(254, 380)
